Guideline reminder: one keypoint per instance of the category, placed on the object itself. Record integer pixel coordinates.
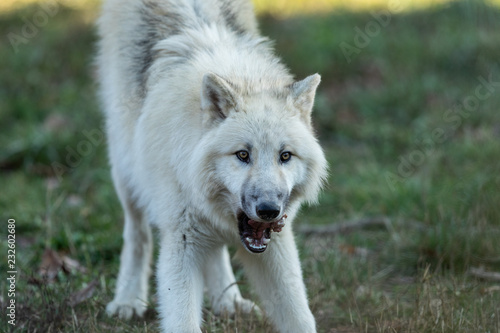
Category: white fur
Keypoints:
(212, 87)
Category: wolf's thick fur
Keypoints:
(210, 140)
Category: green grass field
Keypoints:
(408, 113)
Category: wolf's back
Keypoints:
(129, 30)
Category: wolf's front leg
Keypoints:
(131, 296)
(221, 284)
(277, 278)
(180, 282)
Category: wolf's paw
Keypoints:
(125, 310)
(239, 305)
(246, 306)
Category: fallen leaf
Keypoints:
(51, 264)
(56, 122)
(25, 241)
(70, 265)
(84, 294)
(354, 250)
(74, 200)
(52, 183)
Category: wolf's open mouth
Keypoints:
(256, 235)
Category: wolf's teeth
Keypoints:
(266, 241)
(249, 239)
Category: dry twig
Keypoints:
(345, 227)
(482, 274)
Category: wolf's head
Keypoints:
(259, 155)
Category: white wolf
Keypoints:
(210, 140)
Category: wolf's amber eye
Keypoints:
(285, 157)
(243, 155)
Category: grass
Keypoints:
(377, 116)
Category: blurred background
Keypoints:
(406, 237)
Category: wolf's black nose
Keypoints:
(267, 211)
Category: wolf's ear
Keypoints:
(217, 97)
(303, 93)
